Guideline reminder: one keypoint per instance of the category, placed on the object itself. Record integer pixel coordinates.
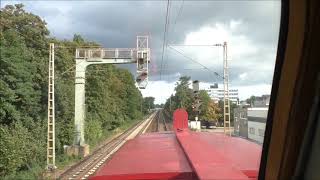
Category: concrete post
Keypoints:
(79, 101)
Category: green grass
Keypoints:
(107, 133)
(63, 160)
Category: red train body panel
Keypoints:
(184, 154)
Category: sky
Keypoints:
(250, 28)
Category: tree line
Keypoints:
(112, 98)
(184, 97)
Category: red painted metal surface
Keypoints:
(184, 155)
(217, 156)
(180, 119)
(150, 156)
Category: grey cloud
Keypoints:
(116, 24)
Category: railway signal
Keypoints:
(197, 103)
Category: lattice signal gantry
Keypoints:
(142, 42)
(143, 59)
(106, 53)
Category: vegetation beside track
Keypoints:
(112, 100)
(183, 98)
(209, 110)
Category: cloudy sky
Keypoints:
(249, 27)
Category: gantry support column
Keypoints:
(85, 57)
(79, 111)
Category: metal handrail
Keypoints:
(107, 53)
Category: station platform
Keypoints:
(184, 154)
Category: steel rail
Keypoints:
(164, 121)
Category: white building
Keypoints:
(257, 117)
(216, 93)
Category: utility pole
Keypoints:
(51, 115)
(226, 100)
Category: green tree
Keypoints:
(111, 96)
(251, 100)
(232, 107)
(183, 92)
(78, 39)
(213, 112)
(148, 103)
(205, 100)
(182, 98)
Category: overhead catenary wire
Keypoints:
(179, 13)
(70, 68)
(193, 60)
(164, 37)
(173, 29)
(168, 36)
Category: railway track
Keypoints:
(165, 126)
(90, 164)
(161, 122)
(168, 120)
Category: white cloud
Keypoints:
(256, 90)
(238, 44)
(234, 24)
(250, 28)
(243, 76)
(251, 65)
(249, 62)
(161, 90)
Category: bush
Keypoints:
(93, 131)
(17, 148)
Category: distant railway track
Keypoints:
(168, 120)
(162, 125)
(90, 164)
(158, 121)
(165, 127)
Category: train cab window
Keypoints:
(171, 89)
